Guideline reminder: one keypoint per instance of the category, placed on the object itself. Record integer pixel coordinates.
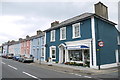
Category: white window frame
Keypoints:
(61, 37)
(52, 48)
(43, 42)
(52, 35)
(42, 52)
(73, 28)
(118, 39)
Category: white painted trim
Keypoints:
(85, 42)
(61, 33)
(117, 56)
(51, 52)
(94, 41)
(45, 47)
(52, 35)
(73, 31)
(90, 53)
(108, 65)
(118, 39)
(105, 66)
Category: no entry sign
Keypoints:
(101, 43)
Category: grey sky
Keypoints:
(25, 18)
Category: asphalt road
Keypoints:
(16, 70)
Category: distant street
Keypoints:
(14, 69)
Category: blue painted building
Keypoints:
(119, 46)
(37, 46)
(79, 39)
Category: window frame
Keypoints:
(73, 28)
(42, 52)
(61, 32)
(52, 48)
(52, 40)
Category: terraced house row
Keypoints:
(87, 38)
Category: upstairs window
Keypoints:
(76, 30)
(42, 51)
(63, 33)
(53, 35)
(42, 40)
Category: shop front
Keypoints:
(74, 52)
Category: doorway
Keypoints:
(63, 56)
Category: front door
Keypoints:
(63, 56)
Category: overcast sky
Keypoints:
(24, 17)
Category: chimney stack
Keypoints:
(54, 23)
(27, 37)
(39, 32)
(101, 10)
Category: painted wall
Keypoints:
(11, 49)
(17, 48)
(5, 49)
(37, 45)
(25, 47)
(108, 34)
(85, 32)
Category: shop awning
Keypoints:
(77, 47)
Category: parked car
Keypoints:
(4, 56)
(24, 58)
(16, 57)
(9, 56)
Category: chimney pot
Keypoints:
(54, 23)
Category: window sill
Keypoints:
(76, 37)
(52, 41)
(63, 39)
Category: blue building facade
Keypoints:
(77, 39)
(37, 47)
(119, 46)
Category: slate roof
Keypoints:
(79, 18)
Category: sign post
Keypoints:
(100, 44)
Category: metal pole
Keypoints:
(99, 59)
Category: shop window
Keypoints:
(75, 55)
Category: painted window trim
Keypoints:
(61, 33)
(73, 30)
(51, 52)
(43, 52)
(118, 39)
(43, 40)
(51, 36)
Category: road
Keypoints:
(13, 69)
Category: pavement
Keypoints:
(79, 69)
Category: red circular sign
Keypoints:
(101, 43)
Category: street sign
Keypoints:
(101, 43)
